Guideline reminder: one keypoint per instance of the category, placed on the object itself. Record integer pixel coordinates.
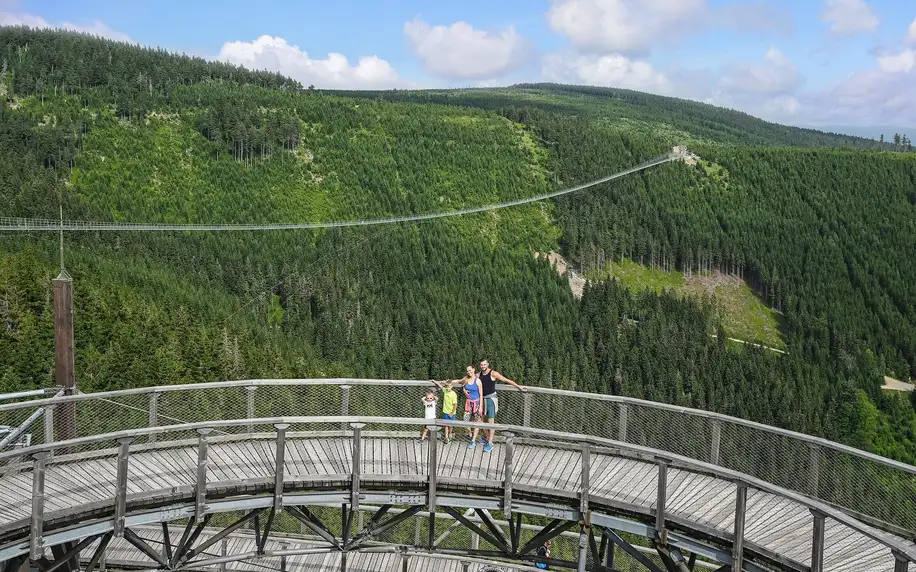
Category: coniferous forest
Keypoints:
(822, 228)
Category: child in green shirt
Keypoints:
(449, 406)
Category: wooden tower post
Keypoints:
(64, 355)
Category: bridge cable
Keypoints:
(34, 224)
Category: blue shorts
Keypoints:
(490, 406)
(448, 416)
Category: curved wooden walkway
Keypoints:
(122, 554)
(777, 529)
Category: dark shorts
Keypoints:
(448, 416)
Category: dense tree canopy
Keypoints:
(117, 132)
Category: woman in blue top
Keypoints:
(473, 404)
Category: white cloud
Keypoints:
(97, 27)
(903, 62)
(635, 26)
(911, 33)
(492, 83)
(781, 106)
(849, 16)
(872, 97)
(276, 54)
(613, 70)
(461, 51)
(776, 75)
(752, 16)
(620, 25)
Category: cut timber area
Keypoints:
(576, 280)
(896, 385)
(745, 317)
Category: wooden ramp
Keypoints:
(79, 487)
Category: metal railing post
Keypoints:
(526, 408)
(344, 403)
(817, 542)
(250, 398)
(583, 549)
(200, 491)
(121, 486)
(36, 544)
(716, 442)
(738, 539)
(507, 473)
(153, 413)
(49, 427)
(356, 469)
(661, 533)
(585, 479)
(223, 551)
(814, 469)
(280, 464)
(433, 470)
(283, 546)
(901, 564)
(622, 422)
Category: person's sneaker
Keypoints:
(488, 447)
(472, 445)
(483, 441)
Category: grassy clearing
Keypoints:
(743, 314)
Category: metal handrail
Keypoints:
(674, 460)
(810, 439)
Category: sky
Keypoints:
(803, 62)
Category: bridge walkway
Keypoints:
(532, 468)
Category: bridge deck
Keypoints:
(775, 526)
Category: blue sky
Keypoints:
(807, 62)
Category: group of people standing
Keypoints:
(480, 402)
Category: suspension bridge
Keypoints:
(14, 224)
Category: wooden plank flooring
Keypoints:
(773, 523)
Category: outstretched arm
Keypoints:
(436, 383)
(500, 377)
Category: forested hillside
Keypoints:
(116, 132)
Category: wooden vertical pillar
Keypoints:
(64, 367)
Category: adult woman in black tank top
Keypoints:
(488, 379)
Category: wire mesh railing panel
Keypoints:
(680, 433)
(867, 487)
(105, 415)
(780, 460)
(390, 400)
(12, 420)
(294, 400)
(573, 415)
(197, 405)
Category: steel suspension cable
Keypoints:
(38, 225)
